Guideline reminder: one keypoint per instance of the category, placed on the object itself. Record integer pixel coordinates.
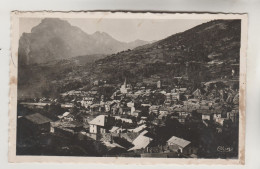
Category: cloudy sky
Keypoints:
(125, 30)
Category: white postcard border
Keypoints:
(119, 160)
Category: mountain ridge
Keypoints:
(54, 39)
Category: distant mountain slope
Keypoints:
(55, 39)
(202, 53)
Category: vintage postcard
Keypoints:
(127, 87)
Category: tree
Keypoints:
(151, 117)
(74, 110)
(56, 109)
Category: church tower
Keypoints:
(123, 88)
(125, 83)
(159, 84)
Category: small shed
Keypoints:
(36, 123)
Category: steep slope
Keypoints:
(205, 52)
(55, 39)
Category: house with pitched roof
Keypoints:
(197, 93)
(138, 129)
(98, 124)
(35, 123)
(141, 142)
(180, 145)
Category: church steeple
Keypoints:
(125, 82)
(123, 88)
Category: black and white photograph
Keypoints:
(129, 86)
